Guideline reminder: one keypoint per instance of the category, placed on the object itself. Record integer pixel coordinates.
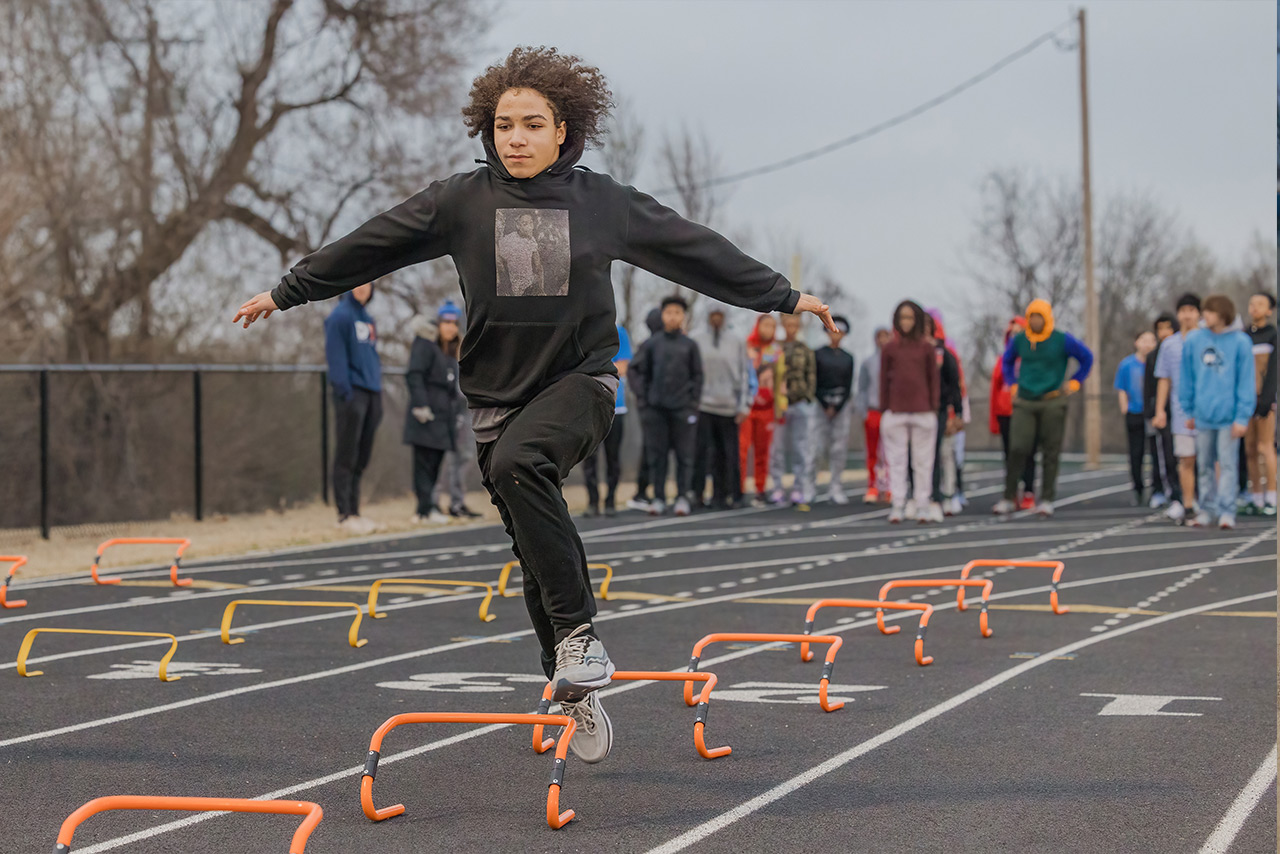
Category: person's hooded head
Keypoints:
(1015, 326)
(908, 320)
(1039, 321)
(764, 333)
(653, 320)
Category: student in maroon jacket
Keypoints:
(537, 358)
(910, 391)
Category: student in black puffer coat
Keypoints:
(430, 424)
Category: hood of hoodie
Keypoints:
(753, 339)
(653, 320)
(570, 154)
(1042, 308)
(1020, 322)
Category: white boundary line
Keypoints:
(1238, 813)
(843, 758)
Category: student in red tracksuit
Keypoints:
(1002, 412)
(756, 433)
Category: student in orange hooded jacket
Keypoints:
(1035, 365)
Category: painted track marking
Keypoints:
(1259, 784)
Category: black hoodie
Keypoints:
(547, 311)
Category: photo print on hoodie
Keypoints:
(531, 247)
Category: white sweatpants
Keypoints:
(831, 436)
(919, 430)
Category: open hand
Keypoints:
(260, 306)
(816, 306)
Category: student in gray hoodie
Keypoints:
(725, 403)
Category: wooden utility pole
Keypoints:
(1093, 383)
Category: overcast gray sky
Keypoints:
(1182, 105)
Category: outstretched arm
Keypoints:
(666, 244)
(407, 234)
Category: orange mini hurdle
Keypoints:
(921, 658)
(311, 811)
(17, 561)
(181, 542)
(555, 818)
(1056, 565)
(699, 723)
(729, 637)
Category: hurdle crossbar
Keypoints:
(25, 649)
(555, 818)
(311, 811)
(181, 542)
(505, 575)
(1056, 565)
(700, 720)
(485, 616)
(353, 634)
(835, 642)
(921, 658)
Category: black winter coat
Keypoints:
(433, 382)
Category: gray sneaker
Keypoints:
(582, 666)
(594, 736)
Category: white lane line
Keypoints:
(843, 758)
(1238, 813)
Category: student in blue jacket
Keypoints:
(355, 375)
(1216, 390)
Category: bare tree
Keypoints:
(623, 154)
(138, 124)
(689, 163)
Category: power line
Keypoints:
(920, 109)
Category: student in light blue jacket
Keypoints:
(1216, 390)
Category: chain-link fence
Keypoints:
(98, 444)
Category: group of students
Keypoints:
(1199, 398)
(437, 426)
(715, 401)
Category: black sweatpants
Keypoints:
(1135, 427)
(668, 430)
(1165, 465)
(612, 446)
(524, 470)
(426, 469)
(717, 455)
(355, 423)
(1029, 470)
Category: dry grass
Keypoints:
(70, 550)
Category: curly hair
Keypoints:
(578, 94)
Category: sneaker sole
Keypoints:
(573, 692)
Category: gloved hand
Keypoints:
(423, 414)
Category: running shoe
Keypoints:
(895, 515)
(682, 506)
(1248, 508)
(952, 506)
(1201, 520)
(777, 497)
(935, 513)
(462, 511)
(610, 508)
(796, 497)
(435, 517)
(1157, 501)
(1044, 509)
(871, 496)
(592, 510)
(640, 504)
(582, 666)
(910, 509)
(838, 497)
(594, 734)
(1028, 501)
(1176, 511)
(1269, 510)
(657, 507)
(1226, 522)
(1003, 507)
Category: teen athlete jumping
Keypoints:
(537, 358)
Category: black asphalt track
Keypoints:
(999, 745)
